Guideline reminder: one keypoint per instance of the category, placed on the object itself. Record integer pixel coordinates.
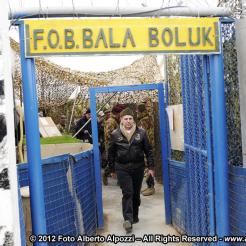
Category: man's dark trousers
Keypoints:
(130, 182)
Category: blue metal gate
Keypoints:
(196, 155)
(205, 145)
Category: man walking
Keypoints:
(127, 147)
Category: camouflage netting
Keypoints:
(232, 84)
(234, 5)
(55, 83)
(173, 73)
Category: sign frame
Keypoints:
(58, 37)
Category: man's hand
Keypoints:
(113, 175)
(152, 172)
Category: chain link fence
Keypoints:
(231, 90)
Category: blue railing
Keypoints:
(237, 201)
(69, 194)
(178, 190)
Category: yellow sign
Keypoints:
(121, 35)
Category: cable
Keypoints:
(40, 8)
(162, 3)
(99, 15)
(117, 9)
(74, 10)
(11, 15)
(220, 1)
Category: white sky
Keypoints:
(104, 63)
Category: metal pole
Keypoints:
(125, 11)
(71, 117)
(164, 149)
(33, 141)
(209, 146)
(220, 145)
(96, 156)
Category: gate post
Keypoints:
(163, 102)
(96, 157)
(209, 146)
(33, 141)
(219, 129)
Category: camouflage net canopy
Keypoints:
(174, 79)
(233, 119)
(234, 5)
(55, 84)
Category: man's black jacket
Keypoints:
(86, 132)
(129, 155)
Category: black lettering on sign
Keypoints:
(69, 41)
(198, 36)
(101, 36)
(111, 39)
(128, 35)
(178, 43)
(87, 38)
(167, 36)
(205, 35)
(53, 38)
(153, 37)
(37, 36)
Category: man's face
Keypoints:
(63, 121)
(88, 116)
(127, 121)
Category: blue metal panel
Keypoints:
(193, 160)
(59, 200)
(201, 144)
(209, 145)
(237, 201)
(165, 151)
(197, 222)
(33, 140)
(178, 183)
(97, 164)
(220, 145)
(84, 191)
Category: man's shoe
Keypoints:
(144, 190)
(135, 220)
(148, 191)
(127, 226)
